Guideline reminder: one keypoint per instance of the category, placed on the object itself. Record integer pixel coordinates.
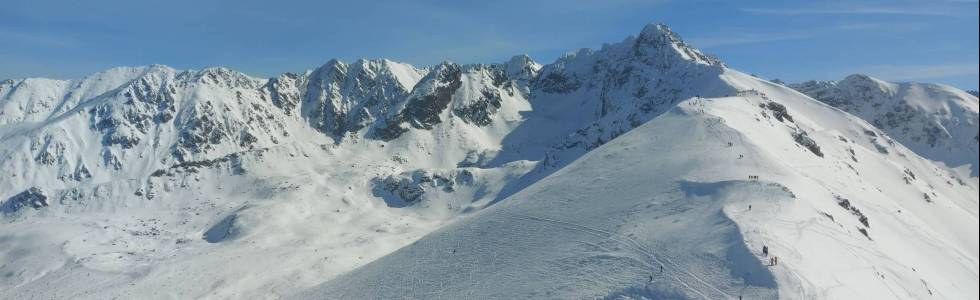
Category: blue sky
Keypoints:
(928, 41)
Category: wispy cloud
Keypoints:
(746, 38)
(859, 10)
(920, 72)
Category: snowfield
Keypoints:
(642, 170)
(674, 193)
(938, 122)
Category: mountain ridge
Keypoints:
(939, 122)
(127, 180)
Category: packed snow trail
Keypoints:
(608, 193)
(151, 182)
(625, 240)
(674, 191)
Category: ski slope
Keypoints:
(673, 193)
(575, 179)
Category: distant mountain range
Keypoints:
(645, 169)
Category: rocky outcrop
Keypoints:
(284, 92)
(422, 110)
(33, 197)
(129, 113)
(423, 107)
(937, 122)
(804, 140)
(342, 98)
(620, 87)
(411, 187)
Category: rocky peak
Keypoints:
(333, 67)
(521, 68)
(283, 91)
(342, 98)
(125, 115)
(432, 95)
(442, 73)
(658, 41)
(423, 106)
(852, 92)
(860, 83)
(859, 79)
(225, 77)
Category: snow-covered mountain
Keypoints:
(938, 122)
(378, 179)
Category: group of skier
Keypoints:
(772, 260)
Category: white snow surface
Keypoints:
(377, 179)
(673, 193)
(938, 122)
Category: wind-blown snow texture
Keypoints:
(576, 179)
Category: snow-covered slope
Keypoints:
(700, 190)
(152, 182)
(149, 173)
(938, 122)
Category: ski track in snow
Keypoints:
(636, 246)
(576, 179)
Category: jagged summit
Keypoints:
(522, 67)
(602, 166)
(658, 39)
(857, 77)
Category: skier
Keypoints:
(661, 268)
(750, 208)
(765, 250)
(775, 260)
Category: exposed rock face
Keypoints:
(779, 111)
(482, 108)
(938, 122)
(411, 187)
(137, 107)
(31, 198)
(199, 134)
(585, 98)
(428, 101)
(342, 98)
(180, 117)
(322, 149)
(804, 140)
(284, 93)
(522, 69)
(660, 46)
(621, 86)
